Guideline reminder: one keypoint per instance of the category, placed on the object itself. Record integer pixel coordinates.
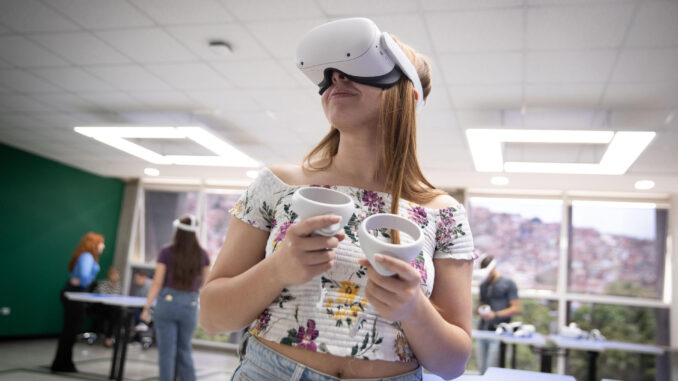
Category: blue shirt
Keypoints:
(85, 269)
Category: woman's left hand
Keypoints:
(146, 315)
(394, 297)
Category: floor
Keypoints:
(30, 359)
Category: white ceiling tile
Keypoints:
(408, 29)
(435, 121)
(20, 51)
(596, 26)
(282, 100)
(181, 12)
(635, 119)
(116, 101)
(128, 77)
(484, 68)
(553, 118)
(33, 16)
(246, 10)
(656, 24)
(197, 39)
(21, 103)
(227, 100)
(80, 48)
(146, 45)
(639, 95)
(63, 101)
(474, 117)
(22, 81)
(280, 38)
(255, 74)
(164, 99)
(569, 66)
(73, 79)
(358, 7)
(448, 5)
(189, 76)
(101, 14)
(438, 99)
(487, 97)
(302, 80)
(563, 95)
(489, 30)
(652, 65)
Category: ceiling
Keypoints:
(538, 64)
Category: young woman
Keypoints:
(181, 270)
(83, 267)
(366, 326)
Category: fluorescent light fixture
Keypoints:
(227, 183)
(644, 184)
(172, 180)
(499, 180)
(225, 154)
(623, 149)
(151, 172)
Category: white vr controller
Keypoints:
(516, 329)
(574, 332)
(359, 50)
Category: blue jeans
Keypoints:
(487, 354)
(261, 363)
(175, 318)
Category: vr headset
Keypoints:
(356, 48)
(481, 274)
(192, 227)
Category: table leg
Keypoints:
(127, 321)
(118, 345)
(545, 360)
(502, 354)
(593, 356)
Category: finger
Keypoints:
(375, 301)
(390, 283)
(398, 266)
(306, 227)
(318, 257)
(364, 262)
(381, 294)
(318, 243)
(322, 267)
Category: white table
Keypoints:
(125, 303)
(536, 340)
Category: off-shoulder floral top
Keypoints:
(330, 313)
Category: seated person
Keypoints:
(141, 283)
(108, 316)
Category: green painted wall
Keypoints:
(45, 208)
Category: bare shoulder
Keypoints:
(442, 201)
(288, 173)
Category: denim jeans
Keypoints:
(261, 363)
(487, 354)
(175, 318)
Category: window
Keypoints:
(217, 218)
(522, 234)
(620, 323)
(161, 208)
(617, 249)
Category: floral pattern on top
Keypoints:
(330, 313)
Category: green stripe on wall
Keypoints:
(45, 208)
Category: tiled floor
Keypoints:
(30, 360)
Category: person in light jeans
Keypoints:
(487, 354)
(180, 272)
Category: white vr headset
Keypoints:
(193, 227)
(481, 275)
(356, 48)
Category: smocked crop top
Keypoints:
(330, 313)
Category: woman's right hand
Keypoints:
(301, 256)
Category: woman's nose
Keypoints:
(337, 76)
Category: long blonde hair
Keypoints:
(398, 156)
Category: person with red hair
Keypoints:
(83, 267)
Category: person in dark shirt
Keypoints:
(498, 303)
(179, 274)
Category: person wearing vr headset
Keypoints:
(498, 303)
(180, 272)
(316, 307)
